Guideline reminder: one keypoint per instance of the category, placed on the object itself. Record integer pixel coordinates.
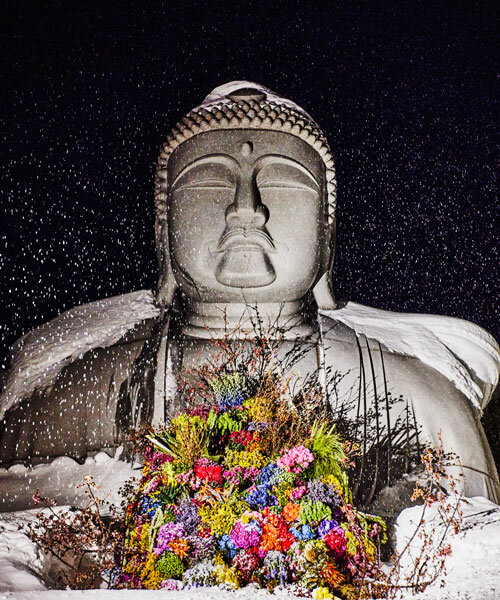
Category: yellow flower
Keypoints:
(151, 580)
(352, 542)
(332, 480)
(227, 576)
(222, 516)
(145, 538)
(370, 550)
(349, 592)
(258, 409)
(322, 593)
(243, 458)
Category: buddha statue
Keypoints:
(245, 221)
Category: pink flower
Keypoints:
(296, 459)
(298, 492)
(245, 537)
(167, 533)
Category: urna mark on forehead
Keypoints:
(224, 157)
(244, 105)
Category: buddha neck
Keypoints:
(209, 320)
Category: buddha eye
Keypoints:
(277, 183)
(205, 176)
(286, 174)
(207, 184)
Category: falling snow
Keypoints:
(404, 94)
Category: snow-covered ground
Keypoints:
(473, 568)
(59, 479)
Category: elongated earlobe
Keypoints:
(167, 285)
(323, 293)
(323, 290)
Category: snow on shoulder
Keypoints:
(40, 355)
(463, 352)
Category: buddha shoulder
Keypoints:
(463, 352)
(40, 356)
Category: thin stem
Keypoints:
(377, 425)
(388, 418)
(362, 374)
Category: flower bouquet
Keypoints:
(245, 489)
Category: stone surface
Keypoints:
(245, 199)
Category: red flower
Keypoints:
(208, 471)
(335, 539)
(241, 438)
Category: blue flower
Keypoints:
(149, 505)
(256, 426)
(325, 526)
(226, 545)
(229, 400)
(266, 473)
(303, 533)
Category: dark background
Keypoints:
(403, 91)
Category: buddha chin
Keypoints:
(245, 267)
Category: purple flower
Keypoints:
(275, 566)
(200, 548)
(323, 492)
(243, 537)
(167, 533)
(187, 515)
(325, 526)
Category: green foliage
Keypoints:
(168, 494)
(328, 450)
(165, 442)
(227, 384)
(170, 566)
(156, 523)
(226, 424)
(312, 511)
(186, 439)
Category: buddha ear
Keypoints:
(323, 290)
(167, 285)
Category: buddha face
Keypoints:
(246, 216)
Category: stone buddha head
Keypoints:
(245, 200)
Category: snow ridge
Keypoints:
(40, 355)
(453, 347)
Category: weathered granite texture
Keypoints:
(245, 205)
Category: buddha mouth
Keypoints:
(244, 260)
(246, 239)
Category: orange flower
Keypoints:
(291, 511)
(331, 575)
(179, 547)
(270, 537)
(276, 537)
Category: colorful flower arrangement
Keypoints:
(244, 489)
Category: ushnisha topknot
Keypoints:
(245, 105)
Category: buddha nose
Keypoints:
(247, 210)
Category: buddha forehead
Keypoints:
(245, 152)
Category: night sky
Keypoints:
(405, 95)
